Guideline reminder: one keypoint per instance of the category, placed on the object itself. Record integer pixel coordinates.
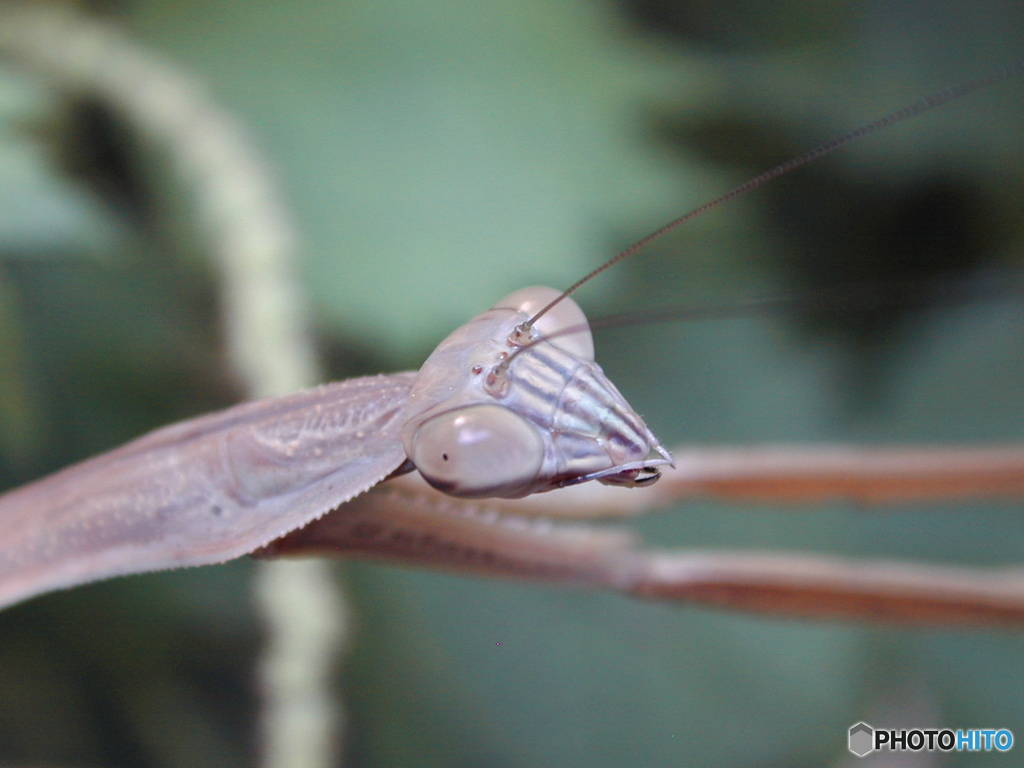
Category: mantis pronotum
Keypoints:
(655, 486)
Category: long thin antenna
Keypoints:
(826, 148)
(855, 297)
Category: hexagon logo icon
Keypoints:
(861, 739)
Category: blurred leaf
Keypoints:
(40, 214)
(438, 155)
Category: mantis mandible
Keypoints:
(509, 405)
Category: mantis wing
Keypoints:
(205, 490)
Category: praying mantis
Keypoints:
(620, 495)
(510, 405)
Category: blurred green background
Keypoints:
(436, 156)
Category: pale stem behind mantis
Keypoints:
(253, 245)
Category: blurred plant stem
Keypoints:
(253, 245)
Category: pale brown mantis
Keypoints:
(508, 406)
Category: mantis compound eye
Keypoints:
(478, 451)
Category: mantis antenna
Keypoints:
(523, 334)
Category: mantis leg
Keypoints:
(404, 520)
